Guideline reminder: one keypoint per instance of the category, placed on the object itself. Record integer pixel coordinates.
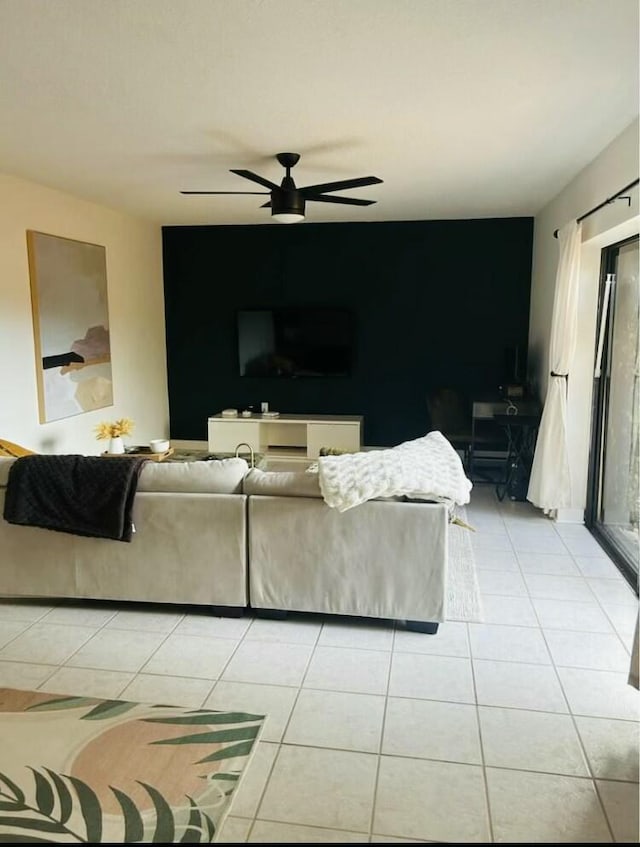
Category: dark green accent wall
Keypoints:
(436, 303)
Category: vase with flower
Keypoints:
(114, 431)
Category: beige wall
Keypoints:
(136, 317)
(616, 166)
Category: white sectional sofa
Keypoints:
(217, 534)
(382, 559)
(189, 545)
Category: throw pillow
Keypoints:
(8, 448)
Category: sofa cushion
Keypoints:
(281, 483)
(220, 476)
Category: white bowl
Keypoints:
(159, 445)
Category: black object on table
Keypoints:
(521, 432)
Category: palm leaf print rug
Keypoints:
(84, 770)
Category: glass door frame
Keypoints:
(597, 451)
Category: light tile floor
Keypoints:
(521, 728)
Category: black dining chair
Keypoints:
(450, 413)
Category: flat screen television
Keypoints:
(295, 342)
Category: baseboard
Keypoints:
(570, 516)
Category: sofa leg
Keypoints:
(227, 611)
(422, 626)
(273, 614)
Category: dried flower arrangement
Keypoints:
(116, 429)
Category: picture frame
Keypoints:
(70, 310)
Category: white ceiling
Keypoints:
(465, 108)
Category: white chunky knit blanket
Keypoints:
(427, 468)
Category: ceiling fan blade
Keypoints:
(261, 193)
(266, 205)
(255, 178)
(308, 190)
(348, 201)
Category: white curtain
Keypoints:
(550, 481)
(634, 670)
(633, 491)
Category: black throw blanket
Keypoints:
(84, 495)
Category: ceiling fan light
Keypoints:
(287, 217)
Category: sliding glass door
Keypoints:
(614, 490)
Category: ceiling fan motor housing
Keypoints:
(286, 201)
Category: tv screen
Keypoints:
(295, 342)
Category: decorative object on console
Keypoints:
(114, 431)
(251, 453)
(229, 413)
(70, 324)
(513, 390)
(159, 445)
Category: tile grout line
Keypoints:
(584, 777)
(135, 673)
(161, 675)
(280, 743)
(376, 781)
(60, 665)
(214, 682)
(603, 608)
(602, 554)
(483, 762)
(557, 676)
(309, 826)
(138, 672)
(13, 638)
(39, 664)
(556, 629)
(300, 684)
(215, 679)
(577, 734)
(600, 605)
(614, 840)
(57, 665)
(598, 600)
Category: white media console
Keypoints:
(287, 436)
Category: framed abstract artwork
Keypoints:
(70, 325)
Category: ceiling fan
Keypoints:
(287, 201)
